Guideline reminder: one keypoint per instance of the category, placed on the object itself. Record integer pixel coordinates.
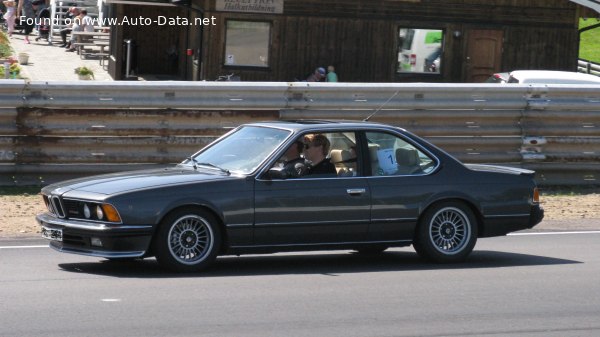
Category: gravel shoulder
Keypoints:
(563, 213)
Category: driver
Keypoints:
(316, 148)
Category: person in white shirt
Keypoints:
(86, 22)
(77, 27)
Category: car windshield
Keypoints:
(241, 151)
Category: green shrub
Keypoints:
(5, 50)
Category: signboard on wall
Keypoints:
(250, 6)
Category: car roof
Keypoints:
(553, 77)
(311, 124)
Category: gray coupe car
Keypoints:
(293, 186)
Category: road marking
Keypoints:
(554, 233)
(22, 247)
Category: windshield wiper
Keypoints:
(226, 171)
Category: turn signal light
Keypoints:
(111, 213)
(536, 195)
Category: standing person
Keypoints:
(10, 15)
(331, 75)
(25, 10)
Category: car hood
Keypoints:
(499, 169)
(117, 183)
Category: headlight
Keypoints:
(99, 213)
(86, 211)
(90, 210)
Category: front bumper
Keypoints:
(117, 241)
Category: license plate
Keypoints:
(52, 234)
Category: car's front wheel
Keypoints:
(446, 233)
(188, 240)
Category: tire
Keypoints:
(187, 240)
(446, 233)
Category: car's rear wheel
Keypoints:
(188, 240)
(447, 233)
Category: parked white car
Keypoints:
(419, 50)
(551, 77)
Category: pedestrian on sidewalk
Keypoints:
(331, 75)
(10, 15)
(317, 76)
(26, 12)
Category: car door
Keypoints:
(400, 179)
(313, 210)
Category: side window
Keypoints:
(391, 155)
(320, 155)
(343, 153)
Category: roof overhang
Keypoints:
(593, 4)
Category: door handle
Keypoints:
(356, 191)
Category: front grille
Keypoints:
(57, 207)
(73, 208)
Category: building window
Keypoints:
(247, 43)
(420, 50)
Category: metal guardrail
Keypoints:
(57, 130)
(588, 67)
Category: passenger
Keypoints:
(316, 148)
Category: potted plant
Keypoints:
(23, 58)
(14, 70)
(84, 73)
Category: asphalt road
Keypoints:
(530, 285)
